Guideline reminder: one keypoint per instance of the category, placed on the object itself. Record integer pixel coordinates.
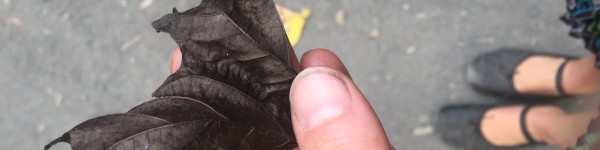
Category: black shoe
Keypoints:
(492, 73)
(459, 126)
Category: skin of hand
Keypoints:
(328, 109)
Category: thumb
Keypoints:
(330, 112)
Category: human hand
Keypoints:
(328, 109)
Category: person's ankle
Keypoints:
(537, 125)
(581, 77)
(581, 87)
(583, 90)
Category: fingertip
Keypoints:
(323, 57)
(330, 112)
(176, 58)
(317, 96)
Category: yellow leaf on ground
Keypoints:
(293, 22)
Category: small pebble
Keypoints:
(422, 131)
(58, 99)
(41, 127)
(339, 18)
(374, 33)
(421, 15)
(130, 42)
(145, 4)
(411, 49)
(57, 96)
(406, 6)
(123, 3)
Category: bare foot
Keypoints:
(537, 75)
(547, 124)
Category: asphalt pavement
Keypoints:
(65, 61)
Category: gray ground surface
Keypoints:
(65, 61)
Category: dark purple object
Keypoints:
(231, 91)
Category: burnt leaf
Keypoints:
(173, 136)
(224, 98)
(233, 135)
(178, 109)
(258, 19)
(106, 130)
(230, 93)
